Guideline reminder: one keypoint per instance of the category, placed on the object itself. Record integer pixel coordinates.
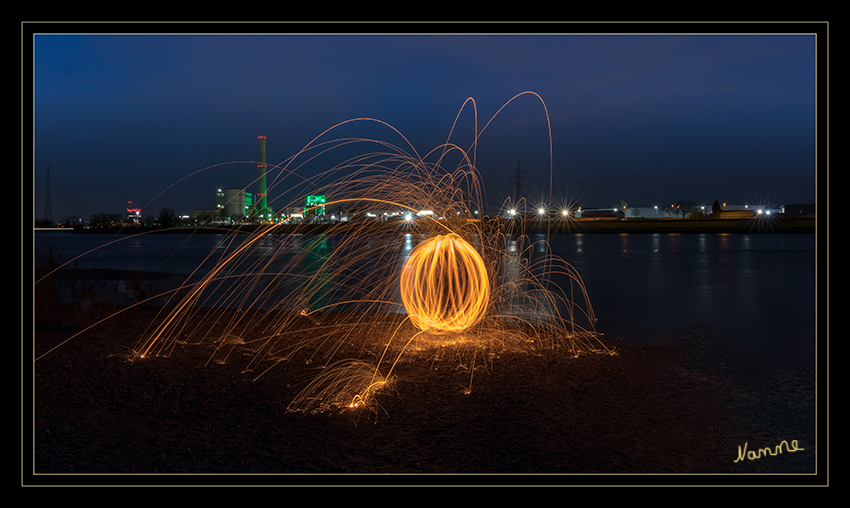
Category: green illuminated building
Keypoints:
(314, 205)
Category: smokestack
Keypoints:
(262, 166)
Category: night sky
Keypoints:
(649, 119)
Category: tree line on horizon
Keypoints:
(167, 218)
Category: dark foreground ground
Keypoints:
(536, 417)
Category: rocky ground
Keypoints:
(536, 417)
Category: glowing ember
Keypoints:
(444, 285)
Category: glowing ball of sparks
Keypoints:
(444, 285)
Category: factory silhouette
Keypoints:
(237, 206)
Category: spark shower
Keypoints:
(355, 311)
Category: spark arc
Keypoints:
(444, 285)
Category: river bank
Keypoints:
(539, 416)
(774, 225)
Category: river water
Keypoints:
(755, 290)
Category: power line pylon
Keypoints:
(48, 207)
(517, 183)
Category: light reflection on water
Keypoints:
(758, 291)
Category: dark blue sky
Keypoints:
(649, 119)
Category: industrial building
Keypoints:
(231, 205)
(672, 212)
(234, 205)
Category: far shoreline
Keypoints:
(774, 225)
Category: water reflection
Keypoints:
(511, 285)
(319, 290)
(756, 288)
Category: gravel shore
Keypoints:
(540, 417)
